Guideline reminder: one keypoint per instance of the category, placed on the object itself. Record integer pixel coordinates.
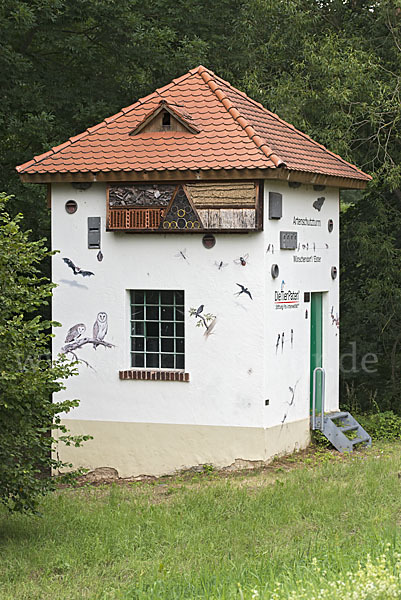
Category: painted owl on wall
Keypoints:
(75, 332)
(100, 328)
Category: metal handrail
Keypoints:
(323, 372)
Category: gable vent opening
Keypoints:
(166, 121)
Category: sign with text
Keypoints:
(286, 299)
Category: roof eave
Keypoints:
(282, 174)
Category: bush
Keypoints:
(382, 426)
(28, 377)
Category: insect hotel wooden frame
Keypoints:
(193, 207)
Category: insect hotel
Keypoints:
(197, 280)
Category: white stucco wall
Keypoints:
(237, 368)
(289, 366)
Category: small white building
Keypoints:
(197, 273)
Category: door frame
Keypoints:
(316, 346)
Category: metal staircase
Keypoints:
(341, 429)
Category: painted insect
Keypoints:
(242, 260)
(220, 264)
(182, 254)
(77, 270)
(243, 290)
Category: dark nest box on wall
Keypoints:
(275, 205)
(93, 232)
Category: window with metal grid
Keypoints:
(157, 329)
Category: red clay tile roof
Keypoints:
(235, 132)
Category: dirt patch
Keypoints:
(242, 473)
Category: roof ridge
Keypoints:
(121, 113)
(289, 125)
(206, 75)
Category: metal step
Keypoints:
(360, 440)
(338, 415)
(348, 428)
(326, 422)
(336, 433)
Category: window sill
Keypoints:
(148, 375)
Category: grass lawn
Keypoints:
(302, 522)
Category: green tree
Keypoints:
(371, 299)
(332, 68)
(27, 375)
(67, 64)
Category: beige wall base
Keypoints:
(159, 449)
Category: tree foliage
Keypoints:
(28, 376)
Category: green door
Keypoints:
(316, 336)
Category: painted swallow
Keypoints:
(244, 290)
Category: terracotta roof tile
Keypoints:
(235, 132)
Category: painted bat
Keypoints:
(77, 270)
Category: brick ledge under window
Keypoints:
(146, 375)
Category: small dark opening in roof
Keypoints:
(166, 119)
